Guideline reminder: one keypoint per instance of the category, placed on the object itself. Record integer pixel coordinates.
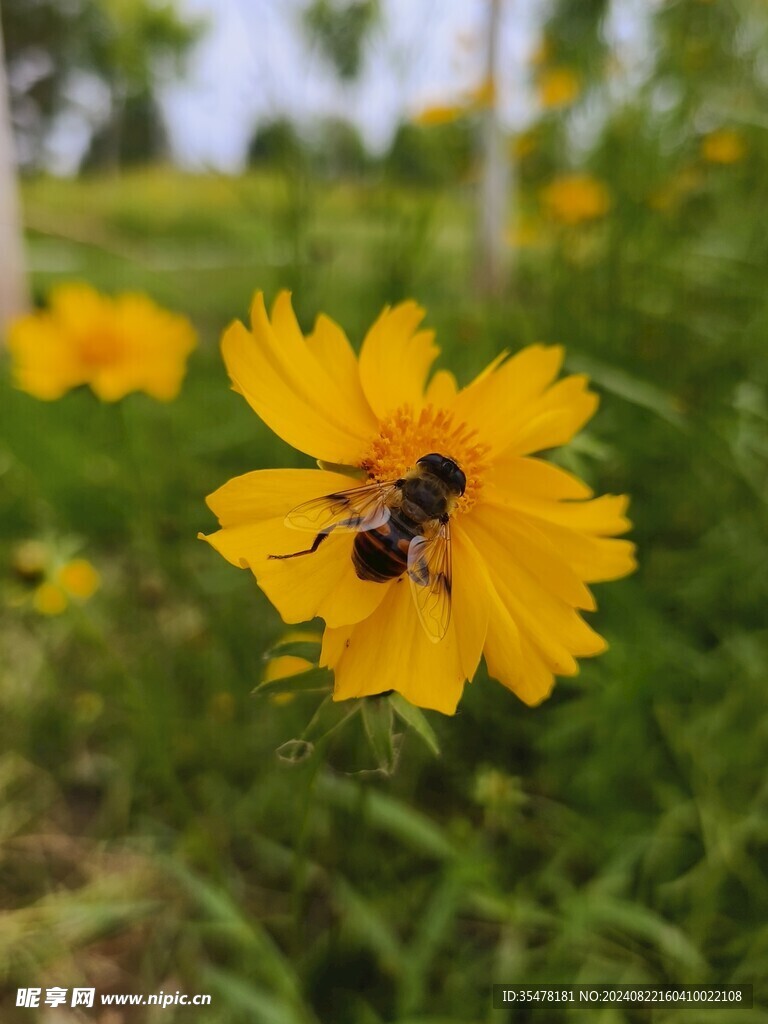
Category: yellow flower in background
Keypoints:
(59, 584)
(673, 192)
(522, 145)
(526, 536)
(79, 579)
(439, 113)
(724, 146)
(479, 98)
(285, 665)
(576, 198)
(115, 345)
(48, 599)
(527, 233)
(557, 87)
(484, 95)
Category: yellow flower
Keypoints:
(48, 599)
(724, 146)
(525, 234)
(115, 345)
(74, 579)
(557, 87)
(576, 198)
(285, 665)
(79, 578)
(484, 95)
(30, 558)
(522, 145)
(526, 535)
(440, 113)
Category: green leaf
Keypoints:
(389, 815)
(307, 649)
(314, 680)
(416, 719)
(378, 721)
(631, 389)
(330, 715)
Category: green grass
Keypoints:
(151, 839)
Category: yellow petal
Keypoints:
(511, 658)
(471, 599)
(534, 478)
(270, 493)
(593, 559)
(442, 389)
(391, 651)
(493, 402)
(252, 510)
(323, 583)
(395, 360)
(43, 363)
(332, 348)
(601, 517)
(553, 626)
(553, 419)
(532, 549)
(276, 400)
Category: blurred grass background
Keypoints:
(150, 838)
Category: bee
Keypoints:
(401, 527)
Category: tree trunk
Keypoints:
(14, 298)
(492, 252)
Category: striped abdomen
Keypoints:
(382, 554)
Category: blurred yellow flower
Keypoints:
(76, 578)
(557, 87)
(30, 558)
(542, 53)
(221, 706)
(724, 146)
(482, 96)
(440, 114)
(285, 665)
(525, 234)
(673, 192)
(48, 599)
(485, 94)
(525, 536)
(576, 198)
(115, 345)
(522, 145)
(79, 578)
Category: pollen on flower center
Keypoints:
(405, 436)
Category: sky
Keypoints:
(254, 64)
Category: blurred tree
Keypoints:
(56, 51)
(13, 297)
(337, 149)
(431, 154)
(341, 29)
(277, 144)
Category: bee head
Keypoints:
(445, 469)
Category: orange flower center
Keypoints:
(405, 436)
(100, 347)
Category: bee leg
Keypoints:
(308, 551)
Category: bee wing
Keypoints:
(430, 574)
(356, 510)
